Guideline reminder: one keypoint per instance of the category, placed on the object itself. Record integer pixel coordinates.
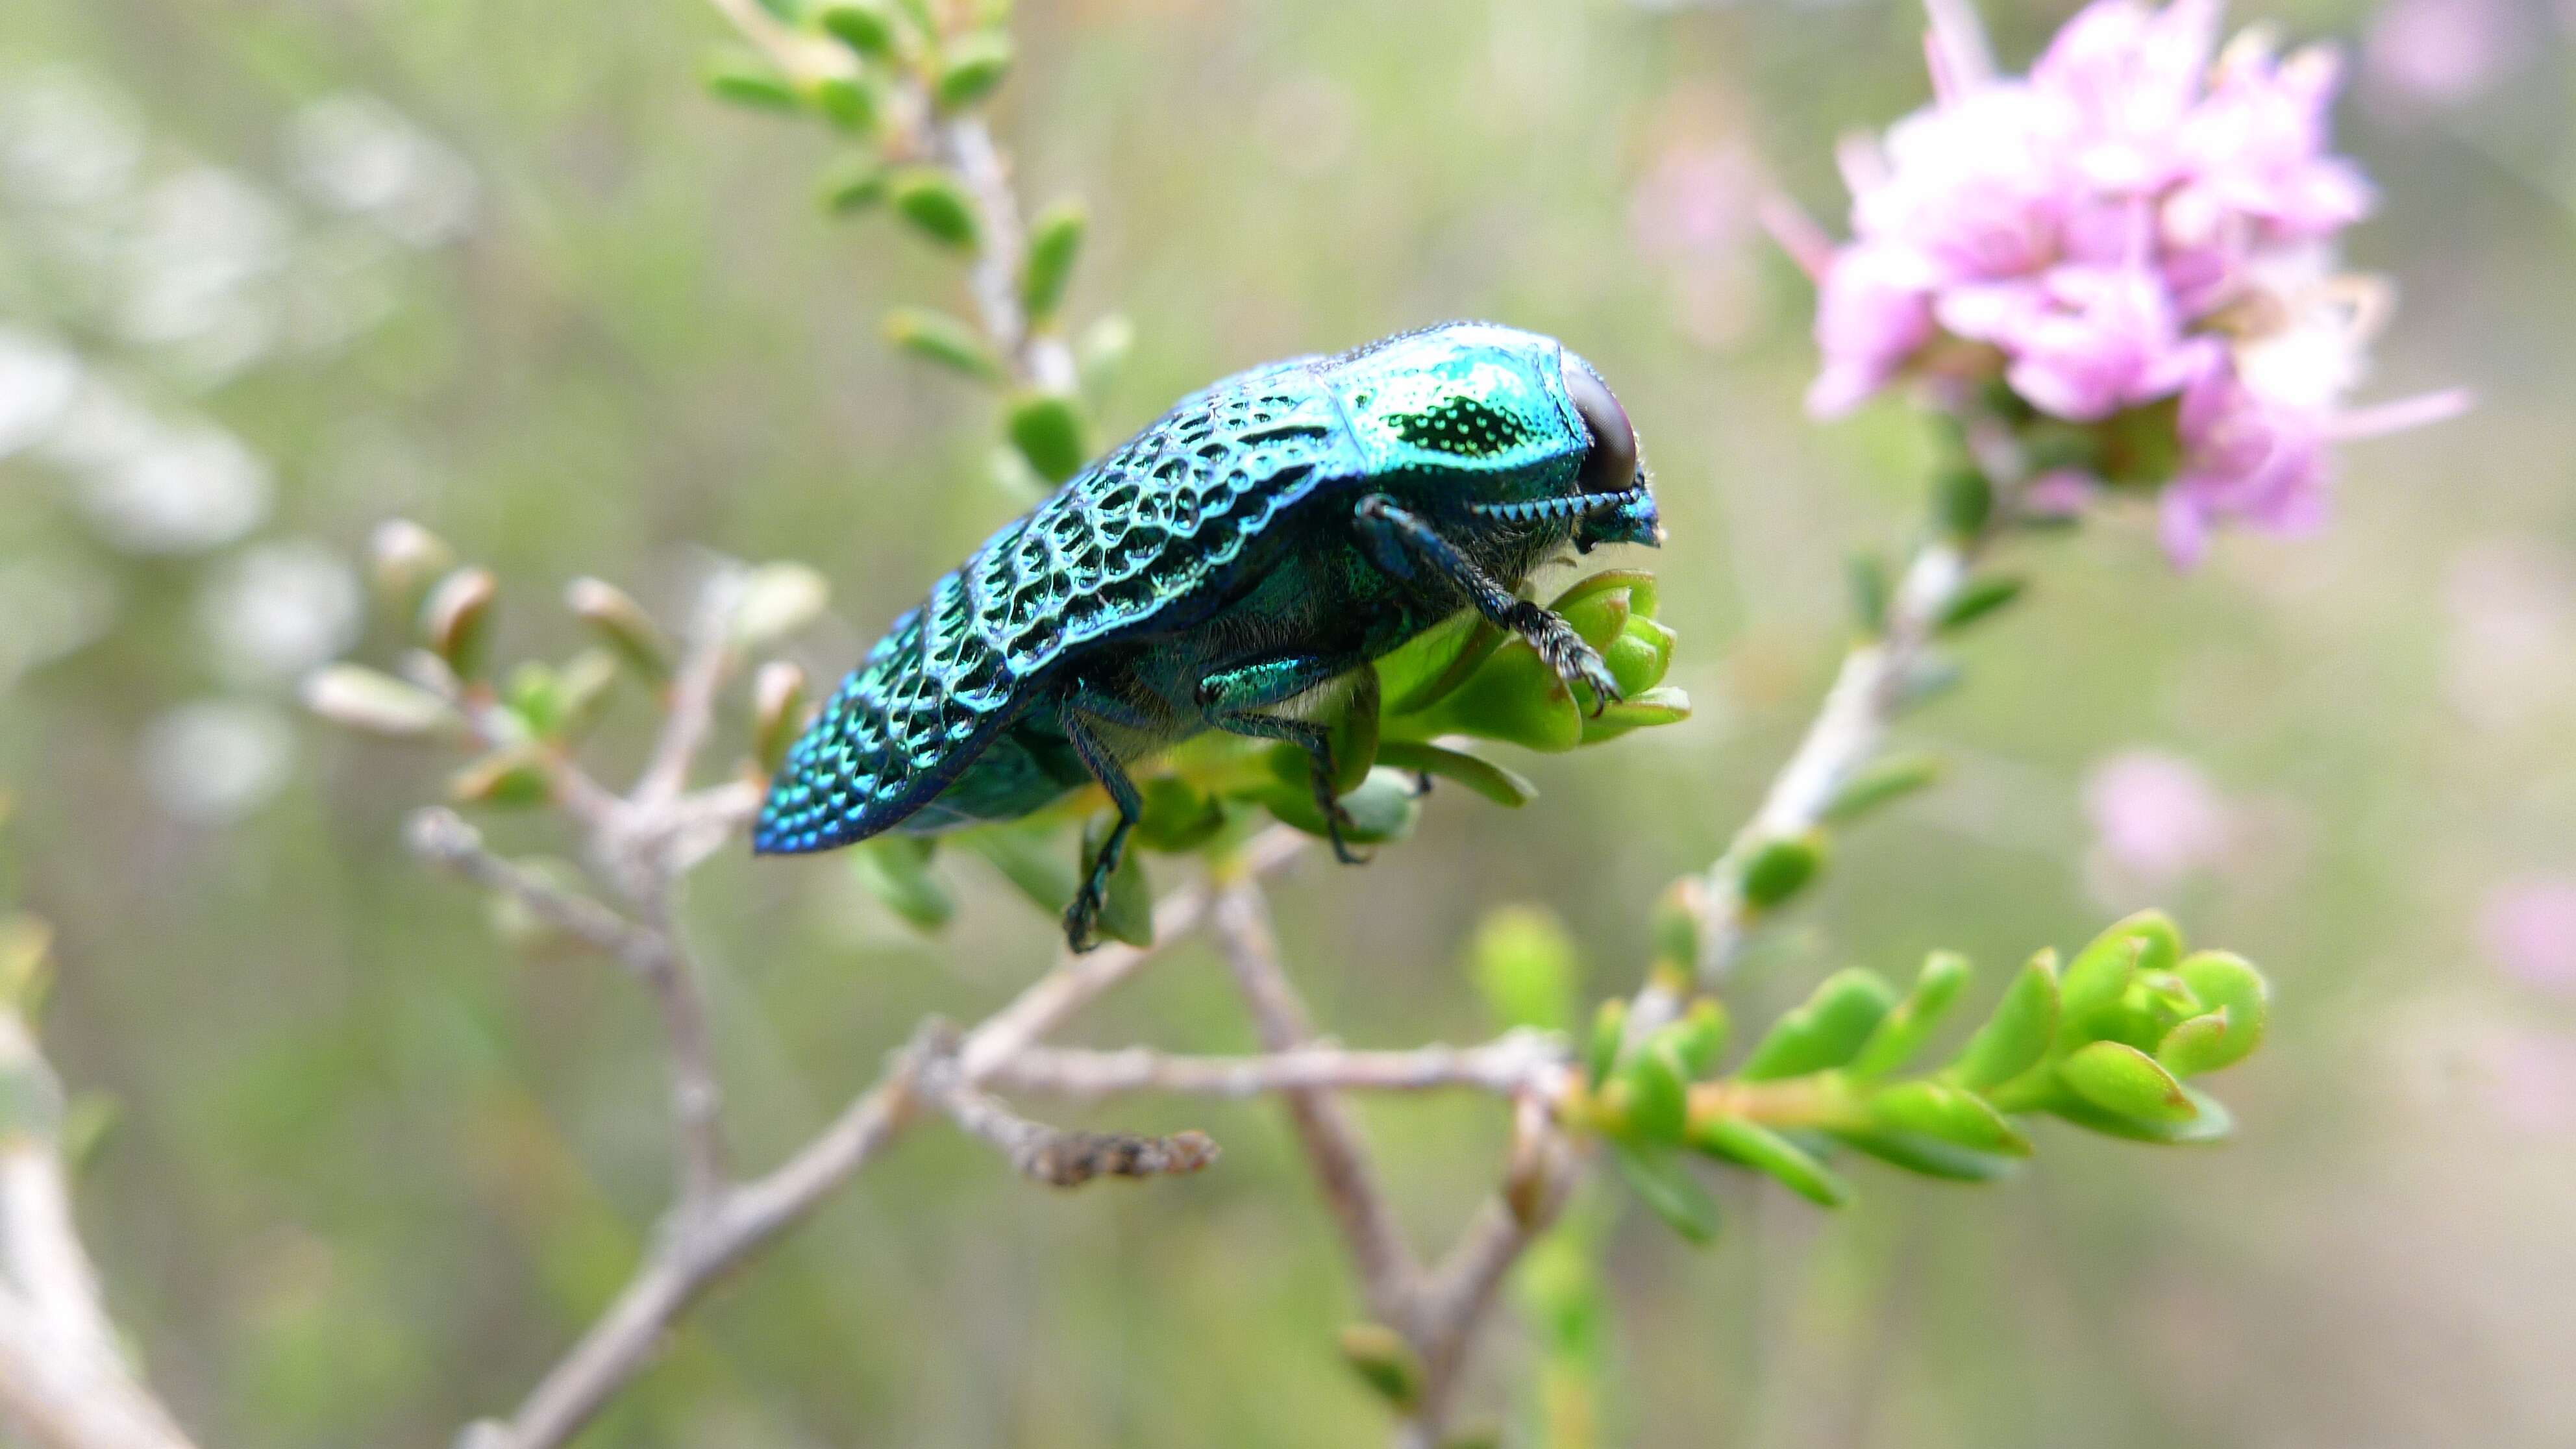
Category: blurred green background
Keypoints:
(270, 272)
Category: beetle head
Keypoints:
(1503, 426)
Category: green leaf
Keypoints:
(1383, 808)
(2096, 983)
(1930, 1156)
(972, 68)
(747, 80)
(1638, 584)
(1484, 777)
(2229, 983)
(359, 698)
(1978, 599)
(1127, 908)
(1055, 241)
(1883, 781)
(1781, 868)
(2017, 1035)
(1050, 431)
(1826, 1031)
(2210, 1122)
(1385, 1362)
(1660, 706)
(896, 870)
(1597, 615)
(1601, 1051)
(1179, 816)
(1962, 501)
(26, 962)
(850, 102)
(1866, 574)
(1902, 1032)
(1752, 1145)
(622, 622)
(1661, 1178)
(1424, 670)
(456, 619)
(937, 206)
(2126, 1082)
(1947, 1114)
(940, 338)
(1699, 1038)
(865, 26)
(1654, 1091)
(852, 185)
(1641, 655)
(1525, 966)
(1028, 860)
(1511, 696)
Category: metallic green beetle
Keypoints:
(1271, 534)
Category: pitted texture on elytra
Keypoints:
(1106, 553)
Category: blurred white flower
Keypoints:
(37, 381)
(158, 488)
(356, 154)
(2156, 819)
(217, 760)
(52, 607)
(204, 244)
(280, 609)
(65, 141)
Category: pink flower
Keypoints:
(2132, 223)
(2155, 816)
(2529, 928)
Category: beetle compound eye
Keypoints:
(1612, 463)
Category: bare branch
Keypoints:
(706, 657)
(1521, 1062)
(745, 1217)
(64, 1382)
(441, 837)
(1063, 1157)
(1389, 1276)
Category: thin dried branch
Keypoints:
(1389, 1275)
(1065, 1157)
(1523, 1062)
(744, 1217)
(64, 1381)
(706, 659)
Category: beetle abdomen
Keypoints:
(1123, 548)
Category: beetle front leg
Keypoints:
(1075, 714)
(1233, 700)
(1398, 542)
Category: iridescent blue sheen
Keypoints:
(1272, 532)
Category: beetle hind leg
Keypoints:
(1235, 700)
(1076, 714)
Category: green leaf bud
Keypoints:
(513, 777)
(622, 623)
(403, 557)
(865, 26)
(455, 620)
(1601, 1051)
(1902, 1032)
(1659, 706)
(1699, 1038)
(1026, 859)
(1882, 781)
(852, 185)
(1504, 787)
(2018, 1034)
(1979, 598)
(581, 693)
(936, 204)
(1866, 575)
(2124, 1081)
(1962, 502)
(1651, 1092)
(1750, 1144)
(1055, 241)
(1780, 868)
(849, 101)
(940, 338)
(896, 870)
(1179, 816)
(747, 80)
(1661, 1178)
(1948, 1114)
(1826, 1031)
(359, 698)
(1385, 1362)
(1639, 584)
(972, 68)
(1050, 431)
(1929, 1156)
(1526, 968)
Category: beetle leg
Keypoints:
(1386, 529)
(1233, 700)
(1075, 713)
